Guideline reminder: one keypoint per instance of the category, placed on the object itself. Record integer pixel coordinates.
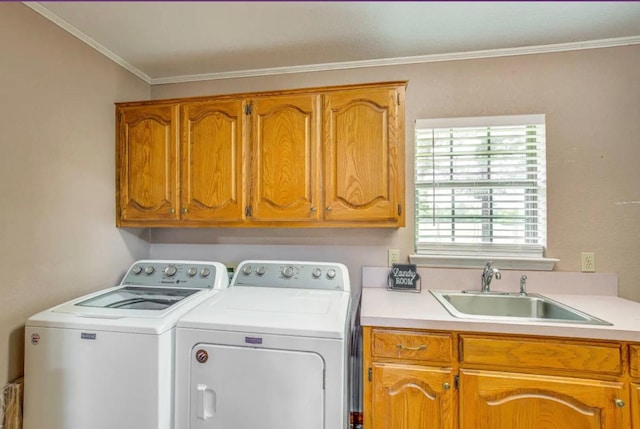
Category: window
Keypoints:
(480, 187)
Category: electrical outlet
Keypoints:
(588, 262)
(393, 256)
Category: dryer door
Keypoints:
(248, 388)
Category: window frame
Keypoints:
(476, 254)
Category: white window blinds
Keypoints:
(480, 186)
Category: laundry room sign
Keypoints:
(404, 277)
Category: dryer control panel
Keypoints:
(292, 274)
(187, 274)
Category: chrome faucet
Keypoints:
(487, 276)
(523, 285)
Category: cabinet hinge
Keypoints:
(370, 374)
(456, 381)
(247, 211)
(399, 210)
(247, 109)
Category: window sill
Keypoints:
(448, 261)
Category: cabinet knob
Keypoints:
(172, 210)
(619, 403)
(184, 210)
(328, 209)
(446, 386)
(313, 209)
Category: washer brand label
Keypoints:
(87, 336)
(253, 340)
(35, 339)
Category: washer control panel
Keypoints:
(292, 274)
(187, 274)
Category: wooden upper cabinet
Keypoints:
(316, 157)
(213, 152)
(147, 165)
(364, 155)
(285, 158)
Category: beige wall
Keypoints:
(592, 102)
(57, 224)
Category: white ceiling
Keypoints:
(180, 41)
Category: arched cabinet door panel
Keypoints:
(147, 163)
(363, 155)
(411, 396)
(499, 400)
(285, 158)
(213, 154)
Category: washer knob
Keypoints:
(205, 272)
(137, 270)
(246, 270)
(170, 271)
(288, 272)
(260, 271)
(192, 271)
(316, 273)
(331, 273)
(149, 270)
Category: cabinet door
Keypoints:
(147, 163)
(213, 139)
(635, 405)
(364, 155)
(411, 397)
(498, 400)
(285, 158)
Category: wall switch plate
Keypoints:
(588, 262)
(393, 256)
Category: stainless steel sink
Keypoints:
(502, 306)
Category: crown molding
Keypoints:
(37, 7)
(383, 62)
(455, 56)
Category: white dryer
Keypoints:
(106, 360)
(269, 353)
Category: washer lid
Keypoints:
(69, 315)
(138, 298)
(296, 312)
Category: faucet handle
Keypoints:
(523, 284)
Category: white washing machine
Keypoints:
(272, 352)
(106, 360)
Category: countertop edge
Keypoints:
(382, 308)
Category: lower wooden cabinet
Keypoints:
(635, 405)
(420, 379)
(411, 396)
(500, 400)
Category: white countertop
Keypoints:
(381, 307)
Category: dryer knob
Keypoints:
(316, 273)
(288, 272)
(137, 270)
(205, 272)
(192, 272)
(149, 270)
(170, 271)
(246, 270)
(331, 273)
(260, 271)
